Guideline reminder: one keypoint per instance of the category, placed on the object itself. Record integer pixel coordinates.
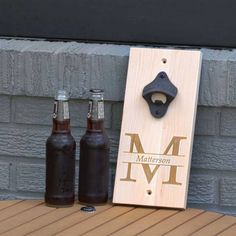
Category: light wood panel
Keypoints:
(155, 154)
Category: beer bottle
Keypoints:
(94, 154)
(60, 156)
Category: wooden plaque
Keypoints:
(155, 154)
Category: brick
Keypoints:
(5, 106)
(232, 82)
(228, 192)
(31, 178)
(12, 45)
(112, 172)
(228, 124)
(94, 71)
(79, 110)
(218, 78)
(33, 110)
(23, 141)
(4, 176)
(29, 141)
(117, 110)
(28, 73)
(207, 121)
(41, 68)
(114, 144)
(214, 83)
(30, 67)
(214, 153)
(203, 189)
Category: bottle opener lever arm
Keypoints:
(159, 94)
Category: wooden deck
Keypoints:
(34, 218)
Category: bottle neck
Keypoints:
(95, 118)
(61, 118)
(61, 126)
(95, 125)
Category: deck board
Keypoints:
(172, 222)
(24, 217)
(194, 224)
(15, 209)
(42, 221)
(145, 222)
(229, 231)
(188, 227)
(217, 226)
(96, 221)
(67, 222)
(5, 204)
(120, 221)
(32, 217)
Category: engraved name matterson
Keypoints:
(159, 160)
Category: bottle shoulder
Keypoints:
(60, 139)
(95, 139)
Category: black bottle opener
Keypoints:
(162, 85)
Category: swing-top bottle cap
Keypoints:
(96, 94)
(62, 95)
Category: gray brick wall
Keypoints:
(31, 72)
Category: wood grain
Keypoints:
(145, 222)
(15, 209)
(67, 222)
(24, 217)
(172, 222)
(217, 226)
(161, 180)
(194, 224)
(34, 218)
(96, 221)
(120, 222)
(231, 231)
(6, 203)
(44, 220)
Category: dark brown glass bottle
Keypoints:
(60, 156)
(94, 154)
